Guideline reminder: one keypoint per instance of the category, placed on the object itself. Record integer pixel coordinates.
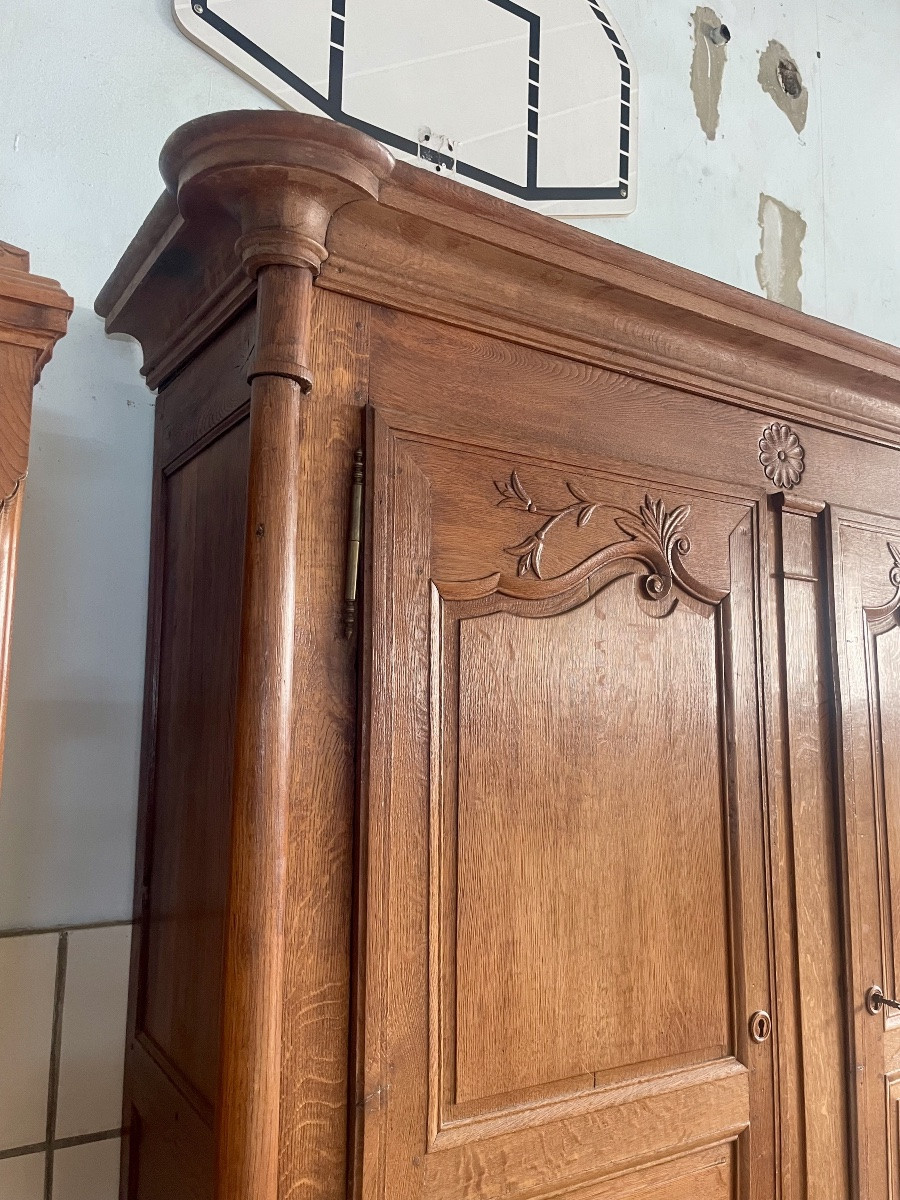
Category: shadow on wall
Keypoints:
(70, 778)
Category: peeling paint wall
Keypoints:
(779, 263)
(799, 107)
(711, 39)
(781, 80)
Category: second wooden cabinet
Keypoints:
(569, 872)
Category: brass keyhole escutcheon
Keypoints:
(876, 1000)
(760, 1027)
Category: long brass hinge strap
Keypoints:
(353, 545)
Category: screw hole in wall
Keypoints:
(789, 78)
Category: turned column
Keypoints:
(34, 313)
(282, 194)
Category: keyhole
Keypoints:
(760, 1026)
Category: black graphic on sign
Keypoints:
(332, 104)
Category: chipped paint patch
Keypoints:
(779, 264)
(779, 77)
(708, 68)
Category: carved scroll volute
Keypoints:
(280, 177)
(882, 617)
(655, 548)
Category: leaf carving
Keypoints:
(632, 526)
(652, 524)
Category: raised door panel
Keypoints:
(867, 590)
(180, 986)
(566, 837)
(577, 942)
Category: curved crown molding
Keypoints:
(282, 176)
(276, 187)
(34, 311)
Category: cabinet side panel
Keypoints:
(188, 867)
(200, 501)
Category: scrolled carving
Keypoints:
(895, 569)
(664, 530)
(883, 616)
(656, 541)
(782, 456)
(530, 551)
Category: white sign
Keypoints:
(535, 102)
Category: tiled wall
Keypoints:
(63, 1000)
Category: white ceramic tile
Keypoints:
(93, 1033)
(22, 1178)
(27, 987)
(88, 1172)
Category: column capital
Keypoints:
(281, 175)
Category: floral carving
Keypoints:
(663, 530)
(781, 455)
(529, 552)
(652, 526)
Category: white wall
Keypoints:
(698, 200)
(88, 93)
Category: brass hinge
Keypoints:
(353, 543)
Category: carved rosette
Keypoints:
(656, 541)
(782, 455)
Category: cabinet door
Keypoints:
(867, 596)
(565, 948)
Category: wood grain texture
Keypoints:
(317, 981)
(571, 854)
(441, 249)
(249, 1096)
(866, 608)
(813, 1004)
(181, 993)
(604, 788)
(561, 964)
(197, 551)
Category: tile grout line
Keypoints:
(62, 962)
(21, 1151)
(81, 1139)
(38, 931)
(86, 1139)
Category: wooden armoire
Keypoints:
(34, 313)
(521, 770)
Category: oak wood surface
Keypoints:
(567, 873)
(812, 1003)
(205, 505)
(183, 859)
(548, 990)
(867, 602)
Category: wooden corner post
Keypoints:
(282, 193)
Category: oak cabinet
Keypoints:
(34, 313)
(519, 769)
